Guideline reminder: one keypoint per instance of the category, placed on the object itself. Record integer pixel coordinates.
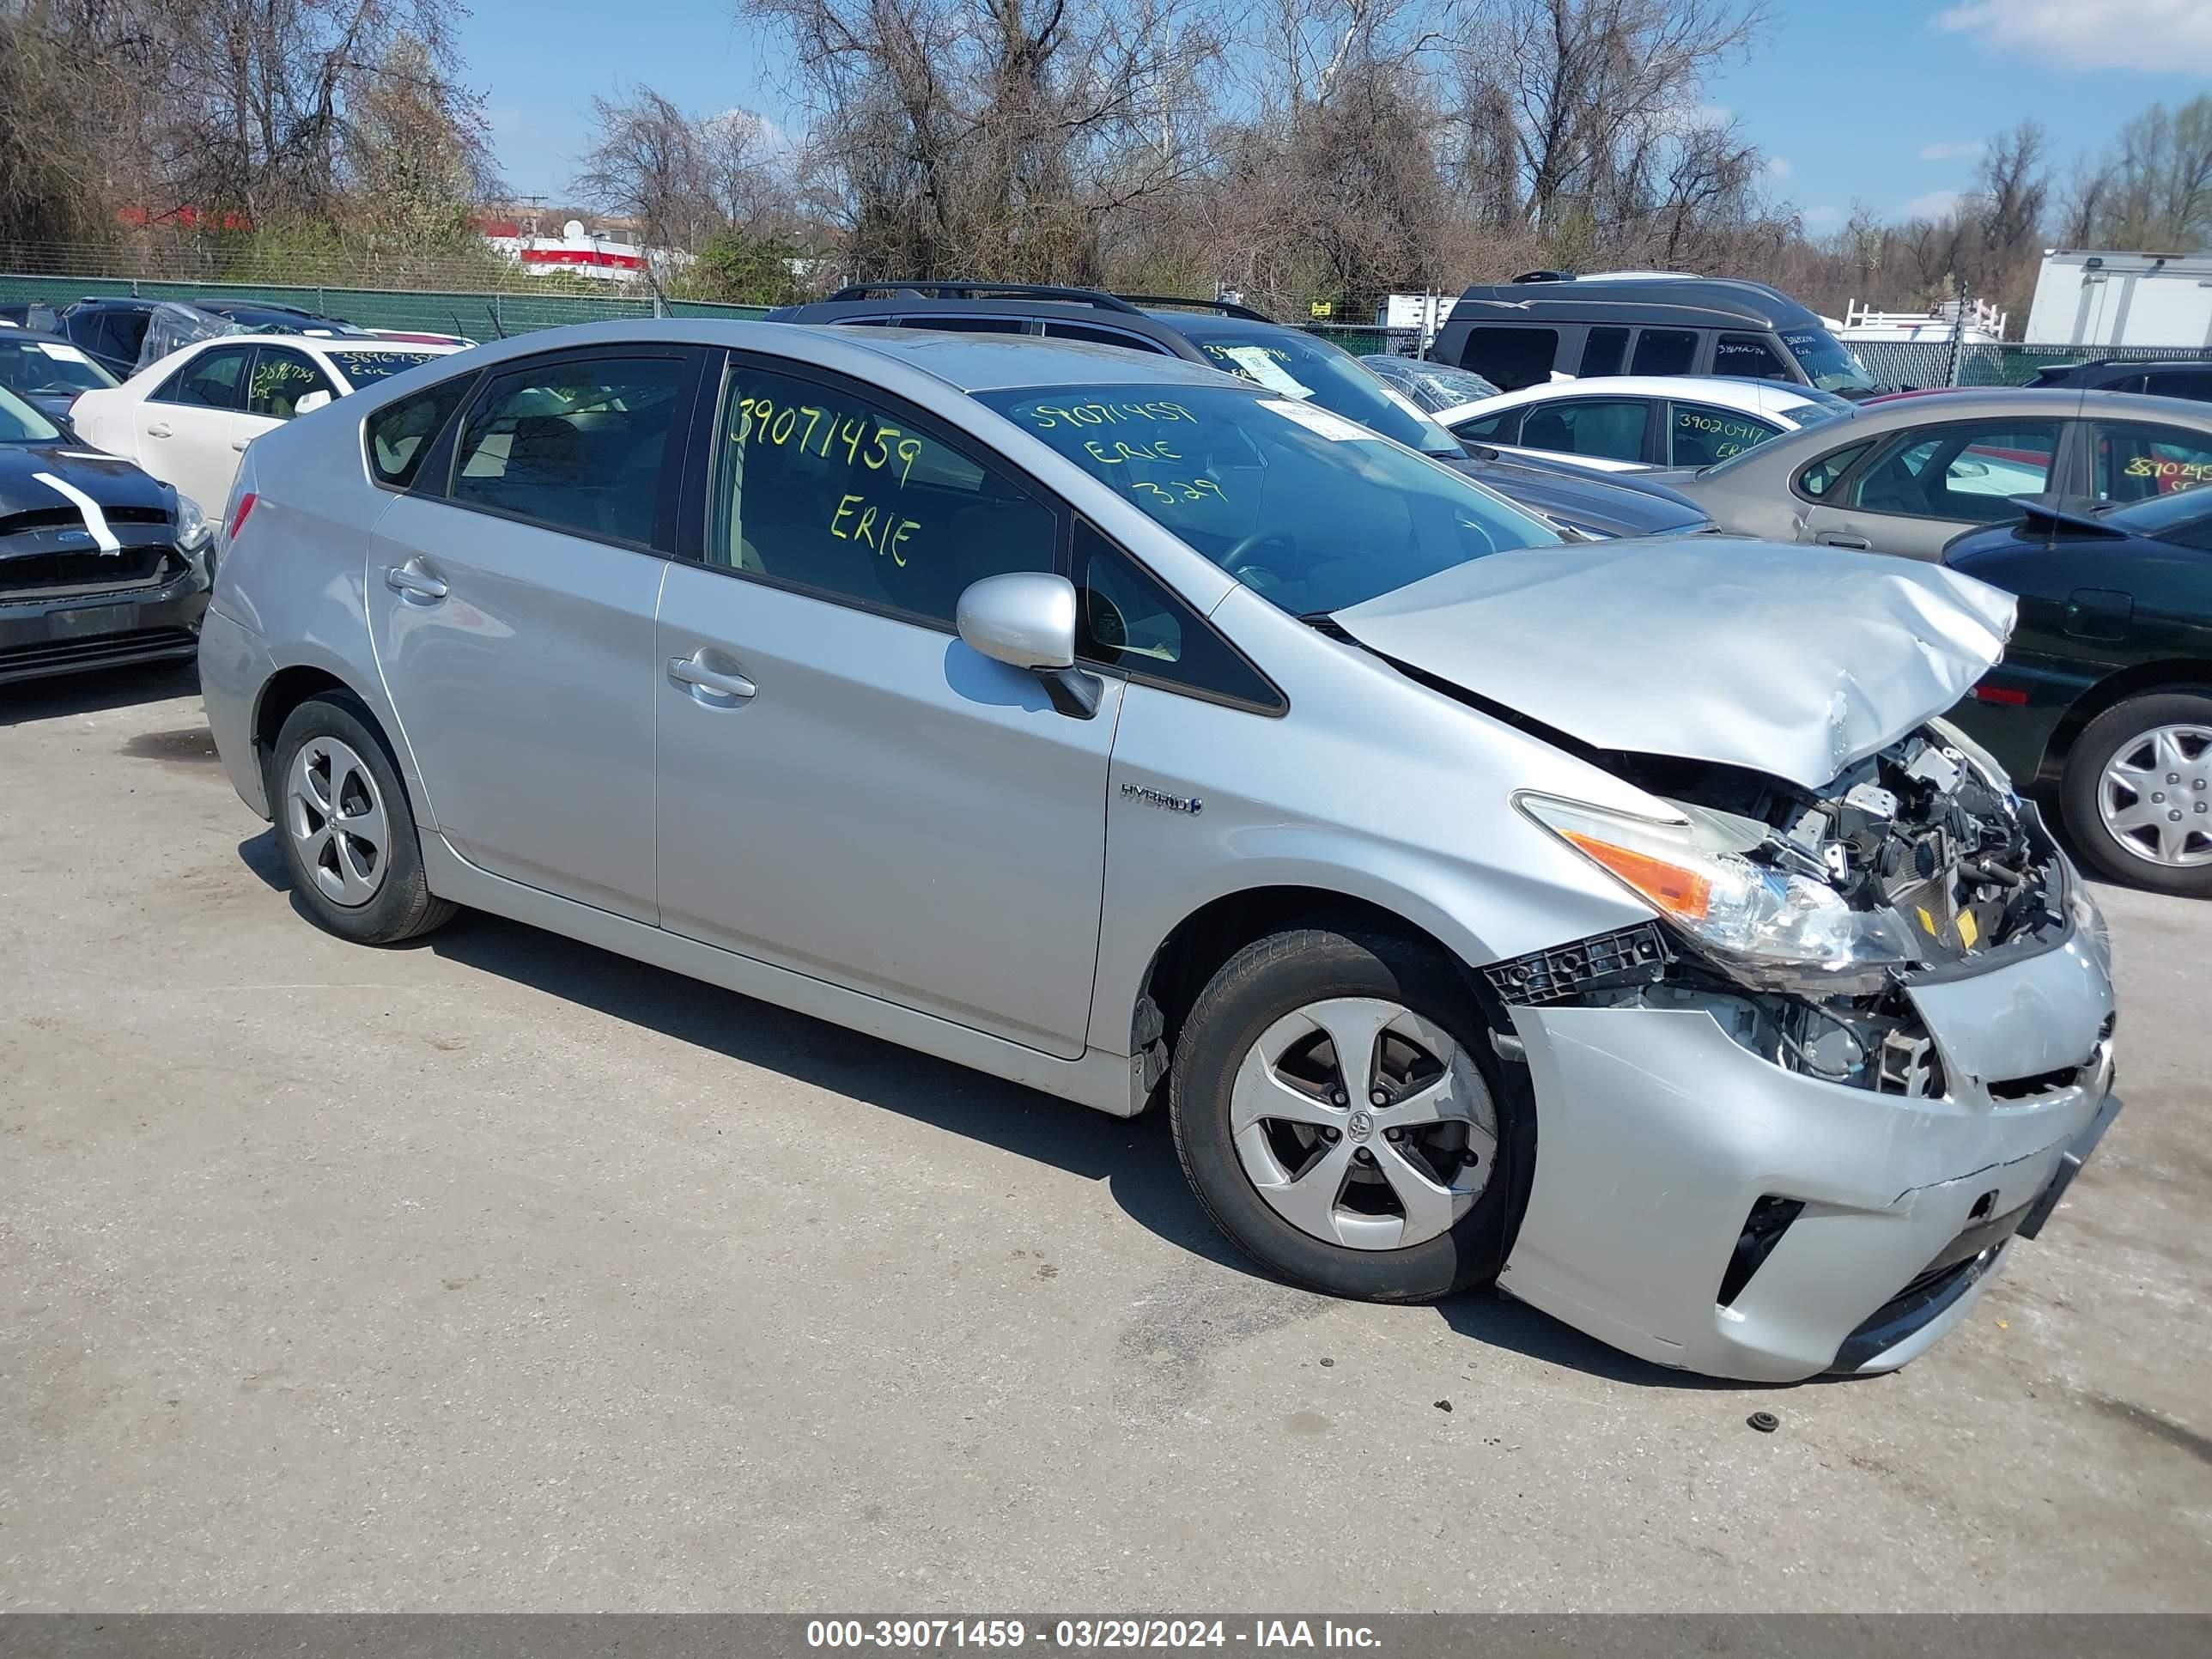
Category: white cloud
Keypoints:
(1778, 167)
(1933, 205)
(2172, 37)
(1822, 218)
(1949, 152)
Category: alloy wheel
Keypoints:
(337, 821)
(1362, 1124)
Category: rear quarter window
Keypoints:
(400, 435)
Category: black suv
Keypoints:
(1224, 335)
(2190, 378)
(1547, 322)
(109, 331)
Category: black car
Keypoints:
(109, 331)
(2105, 693)
(33, 314)
(1226, 336)
(48, 372)
(99, 564)
(256, 317)
(2188, 378)
(1523, 332)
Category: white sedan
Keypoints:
(1621, 422)
(188, 418)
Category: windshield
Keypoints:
(1824, 360)
(20, 423)
(1309, 510)
(1302, 367)
(48, 368)
(2159, 516)
(363, 367)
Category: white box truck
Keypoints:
(2085, 298)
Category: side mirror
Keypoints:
(1026, 619)
(310, 401)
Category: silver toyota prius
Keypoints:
(1615, 922)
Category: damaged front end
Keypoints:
(1797, 918)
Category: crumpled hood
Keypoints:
(1795, 661)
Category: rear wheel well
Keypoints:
(1203, 941)
(286, 690)
(2177, 674)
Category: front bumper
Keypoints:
(1657, 1136)
(44, 635)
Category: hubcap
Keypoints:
(1363, 1124)
(337, 821)
(2155, 798)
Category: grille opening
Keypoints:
(2042, 1083)
(1983, 1205)
(1762, 1230)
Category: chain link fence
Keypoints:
(481, 314)
(1931, 362)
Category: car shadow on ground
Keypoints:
(65, 695)
(1134, 1158)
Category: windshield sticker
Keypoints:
(1334, 428)
(1405, 403)
(60, 353)
(1261, 364)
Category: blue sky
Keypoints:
(1880, 102)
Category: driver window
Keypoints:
(281, 378)
(821, 488)
(1966, 472)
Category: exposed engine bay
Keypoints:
(1917, 830)
(1916, 827)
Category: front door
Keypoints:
(845, 788)
(1924, 485)
(512, 606)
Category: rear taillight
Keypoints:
(238, 519)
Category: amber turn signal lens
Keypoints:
(1674, 891)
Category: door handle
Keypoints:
(158, 429)
(1834, 539)
(412, 581)
(716, 683)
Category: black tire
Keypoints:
(1273, 977)
(403, 907)
(2103, 740)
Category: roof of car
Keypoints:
(1694, 301)
(1734, 391)
(998, 362)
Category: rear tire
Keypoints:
(2136, 793)
(1380, 1179)
(346, 826)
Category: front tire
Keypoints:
(2137, 793)
(347, 828)
(1338, 1111)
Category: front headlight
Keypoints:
(193, 531)
(1772, 927)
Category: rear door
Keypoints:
(511, 600)
(183, 427)
(1925, 485)
(845, 788)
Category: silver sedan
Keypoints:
(1482, 906)
(1906, 473)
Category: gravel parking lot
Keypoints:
(505, 1273)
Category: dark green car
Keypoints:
(2105, 691)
